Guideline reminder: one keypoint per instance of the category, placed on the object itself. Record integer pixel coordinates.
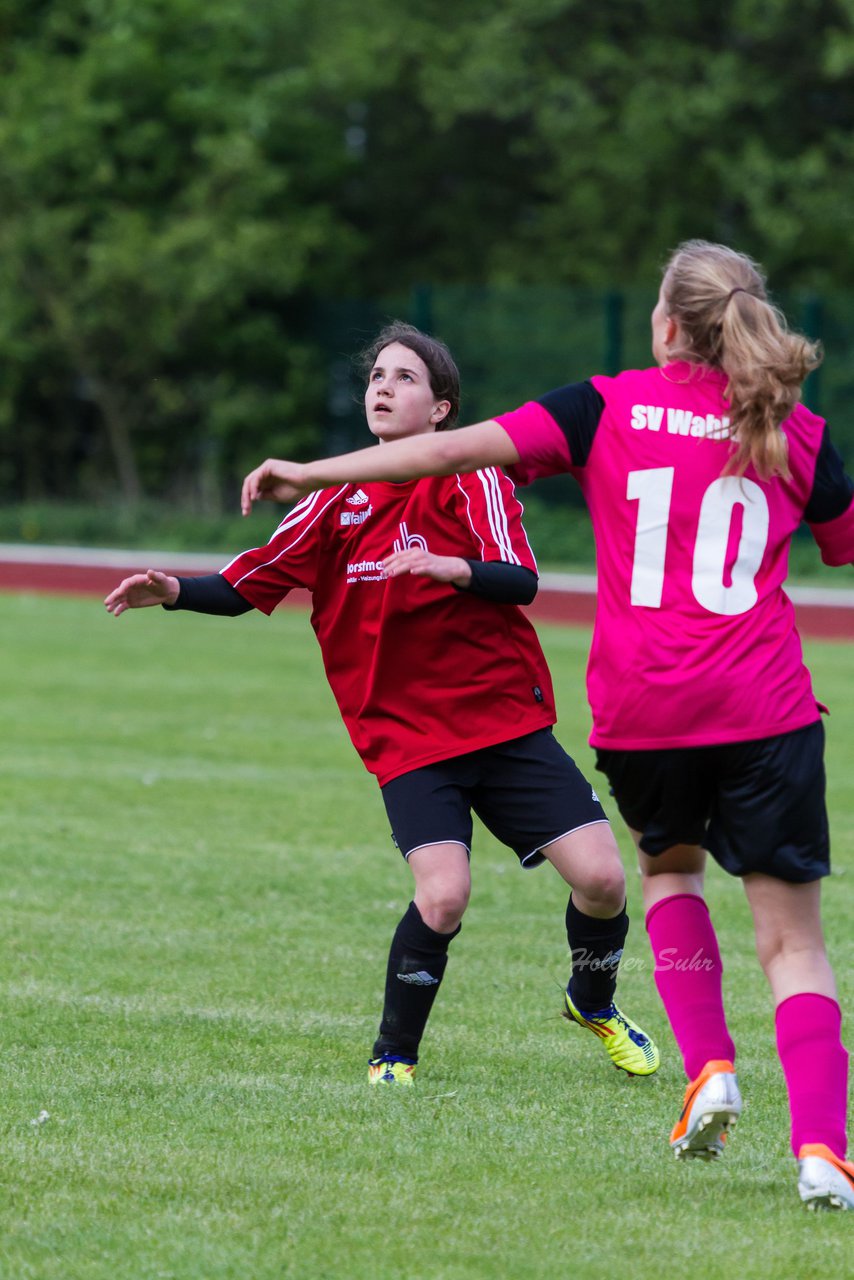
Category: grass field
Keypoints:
(198, 892)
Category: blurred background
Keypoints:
(206, 207)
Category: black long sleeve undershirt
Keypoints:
(832, 488)
(501, 582)
(491, 580)
(210, 593)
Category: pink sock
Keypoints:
(688, 973)
(815, 1065)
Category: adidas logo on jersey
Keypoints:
(357, 499)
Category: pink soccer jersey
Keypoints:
(695, 640)
(421, 672)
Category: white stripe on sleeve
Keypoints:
(301, 518)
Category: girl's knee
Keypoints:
(605, 886)
(443, 908)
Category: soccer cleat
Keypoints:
(390, 1069)
(711, 1108)
(825, 1181)
(629, 1048)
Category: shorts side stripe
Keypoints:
(431, 844)
(599, 822)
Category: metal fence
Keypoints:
(513, 343)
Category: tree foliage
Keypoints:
(182, 180)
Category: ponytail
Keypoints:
(719, 299)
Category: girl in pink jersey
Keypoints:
(445, 692)
(697, 471)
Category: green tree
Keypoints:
(629, 127)
(165, 180)
(193, 192)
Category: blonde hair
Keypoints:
(719, 299)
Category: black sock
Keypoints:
(416, 963)
(596, 947)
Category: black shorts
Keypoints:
(756, 806)
(528, 792)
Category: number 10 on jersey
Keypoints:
(718, 585)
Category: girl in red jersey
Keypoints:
(697, 472)
(444, 689)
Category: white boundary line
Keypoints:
(838, 597)
(580, 583)
(15, 553)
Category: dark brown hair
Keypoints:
(443, 372)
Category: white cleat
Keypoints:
(825, 1181)
(711, 1109)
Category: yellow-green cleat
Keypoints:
(629, 1048)
(391, 1070)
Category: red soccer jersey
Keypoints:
(421, 672)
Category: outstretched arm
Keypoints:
(442, 453)
(210, 593)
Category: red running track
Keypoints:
(562, 598)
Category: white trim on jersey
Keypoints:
(495, 512)
(522, 529)
(491, 480)
(297, 512)
(295, 517)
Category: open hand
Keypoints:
(276, 480)
(142, 590)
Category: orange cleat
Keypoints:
(712, 1107)
(825, 1180)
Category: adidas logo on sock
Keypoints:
(419, 979)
